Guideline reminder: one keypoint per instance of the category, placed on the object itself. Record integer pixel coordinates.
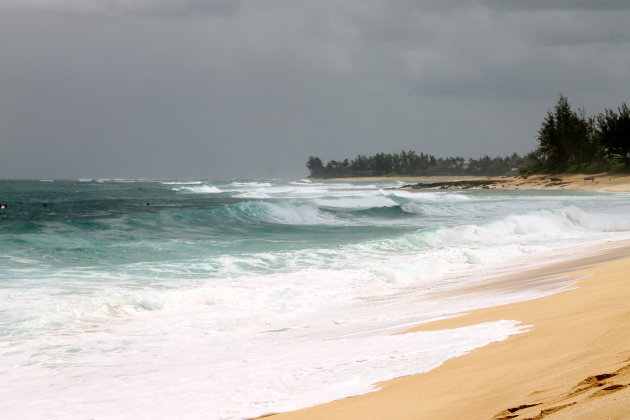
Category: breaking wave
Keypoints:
(202, 189)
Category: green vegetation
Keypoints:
(568, 141)
(409, 163)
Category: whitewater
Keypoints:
(198, 299)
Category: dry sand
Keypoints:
(573, 363)
(596, 182)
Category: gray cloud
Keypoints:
(557, 4)
(125, 7)
(126, 92)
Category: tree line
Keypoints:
(568, 141)
(410, 163)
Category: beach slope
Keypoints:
(573, 363)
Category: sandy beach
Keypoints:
(572, 363)
(596, 182)
(588, 182)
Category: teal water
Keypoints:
(96, 283)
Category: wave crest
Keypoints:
(202, 189)
(281, 213)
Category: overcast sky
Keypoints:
(251, 88)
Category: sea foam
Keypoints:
(242, 378)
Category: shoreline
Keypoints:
(400, 178)
(573, 362)
(582, 182)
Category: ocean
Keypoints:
(126, 299)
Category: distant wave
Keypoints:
(252, 194)
(181, 182)
(203, 189)
(251, 184)
(280, 213)
(356, 202)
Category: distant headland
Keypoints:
(568, 142)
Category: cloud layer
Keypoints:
(125, 7)
(251, 88)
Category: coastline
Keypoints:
(400, 178)
(572, 363)
(584, 182)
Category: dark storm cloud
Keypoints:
(171, 8)
(557, 4)
(157, 88)
(479, 53)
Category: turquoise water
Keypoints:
(266, 277)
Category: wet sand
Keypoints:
(573, 363)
